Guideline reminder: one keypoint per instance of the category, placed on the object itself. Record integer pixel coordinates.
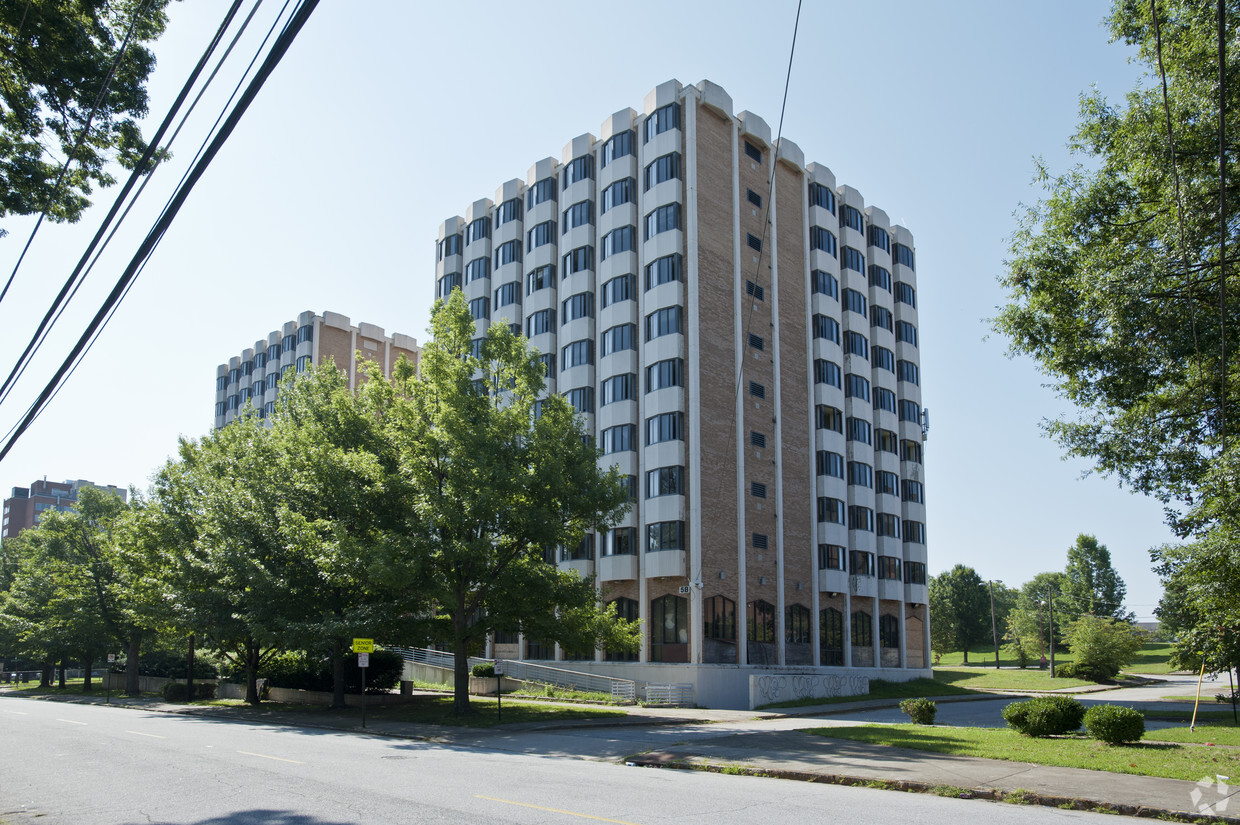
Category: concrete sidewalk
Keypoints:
(748, 742)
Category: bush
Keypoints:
(179, 691)
(1083, 670)
(299, 671)
(921, 711)
(1101, 646)
(1114, 725)
(171, 664)
(485, 670)
(1045, 716)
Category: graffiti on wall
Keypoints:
(765, 690)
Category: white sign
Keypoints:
(363, 660)
(499, 667)
(111, 658)
(685, 590)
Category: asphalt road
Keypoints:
(93, 765)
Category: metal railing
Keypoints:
(624, 689)
(679, 693)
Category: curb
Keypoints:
(1017, 797)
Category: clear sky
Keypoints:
(385, 118)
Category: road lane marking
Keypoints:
(71, 721)
(277, 758)
(17, 712)
(140, 733)
(554, 810)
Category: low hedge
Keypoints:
(1045, 716)
(921, 711)
(179, 691)
(1115, 725)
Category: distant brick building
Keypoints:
(27, 504)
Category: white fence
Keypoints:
(623, 689)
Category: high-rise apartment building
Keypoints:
(28, 504)
(255, 375)
(740, 331)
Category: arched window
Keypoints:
(862, 629)
(625, 609)
(761, 621)
(831, 637)
(888, 631)
(669, 629)
(719, 617)
(796, 624)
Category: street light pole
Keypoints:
(994, 628)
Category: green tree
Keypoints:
(214, 538)
(55, 57)
(495, 484)
(1102, 646)
(1113, 280)
(1091, 584)
(1201, 594)
(959, 610)
(1029, 623)
(344, 516)
(78, 585)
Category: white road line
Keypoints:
(265, 756)
(71, 721)
(140, 733)
(17, 713)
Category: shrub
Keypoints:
(1101, 646)
(1045, 715)
(921, 711)
(484, 670)
(1083, 670)
(170, 664)
(300, 671)
(1114, 725)
(179, 691)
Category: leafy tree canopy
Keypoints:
(959, 610)
(55, 58)
(1091, 584)
(1113, 282)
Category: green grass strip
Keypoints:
(1153, 758)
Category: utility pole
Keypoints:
(1050, 607)
(994, 629)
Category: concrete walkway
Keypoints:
(775, 744)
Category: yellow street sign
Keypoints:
(363, 645)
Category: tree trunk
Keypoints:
(338, 673)
(132, 663)
(88, 665)
(45, 676)
(189, 671)
(64, 665)
(251, 672)
(460, 659)
(966, 656)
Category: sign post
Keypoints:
(107, 679)
(363, 648)
(499, 690)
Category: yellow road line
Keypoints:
(140, 733)
(277, 758)
(71, 721)
(554, 810)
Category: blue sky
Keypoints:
(387, 117)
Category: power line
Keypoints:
(198, 153)
(300, 15)
(139, 171)
(77, 144)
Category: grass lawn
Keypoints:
(435, 710)
(880, 689)
(1201, 735)
(1152, 658)
(1165, 759)
(991, 679)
